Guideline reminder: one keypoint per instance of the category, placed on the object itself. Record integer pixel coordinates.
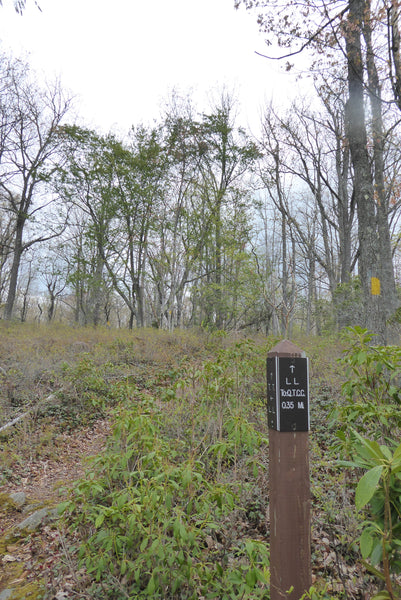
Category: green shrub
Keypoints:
(371, 420)
(154, 521)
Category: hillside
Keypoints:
(173, 502)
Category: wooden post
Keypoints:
(289, 486)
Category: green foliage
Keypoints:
(380, 487)
(86, 393)
(371, 420)
(315, 594)
(89, 391)
(159, 506)
(372, 386)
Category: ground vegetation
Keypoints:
(171, 499)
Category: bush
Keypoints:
(156, 517)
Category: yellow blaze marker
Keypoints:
(375, 286)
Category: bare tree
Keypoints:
(347, 40)
(28, 155)
(6, 244)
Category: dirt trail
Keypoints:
(40, 480)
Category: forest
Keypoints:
(193, 221)
(143, 281)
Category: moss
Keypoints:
(31, 591)
(7, 540)
(10, 572)
(7, 504)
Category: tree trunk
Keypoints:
(284, 277)
(363, 184)
(18, 251)
(388, 295)
(51, 307)
(96, 292)
(218, 293)
(131, 320)
(311, 324)
(138, 295)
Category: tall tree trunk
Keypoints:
(25, 296)
(388, 296)
(139, 300)
(363, 185)
(96, 291)
(18, 250)
(51, 307)
(311, 324)
(344, 204)
(284, 277)
(293, 292)
(218, 293)
(393, 14)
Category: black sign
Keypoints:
(287, 394)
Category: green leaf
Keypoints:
(386, 451)
(250, 547)
(377, 553)
(347, 463)
(361, 357)
(187, 477)
(251, 578)
(261, 576)
(62, 507)
(366, 543)
(367, 486)
(369, 449)
(176, 585)
(150, 588)
(235, 578)
(99, 520)
(397, 452)
(144, 543)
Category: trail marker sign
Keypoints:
(288, 393)
(289, 481)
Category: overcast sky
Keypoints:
(123, 57)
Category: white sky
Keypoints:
(123, 57)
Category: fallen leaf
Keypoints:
(9, 558)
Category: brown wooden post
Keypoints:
(289, 486)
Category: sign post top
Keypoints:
(286, 348)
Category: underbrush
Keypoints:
(157, 524)
(58, 379)
(177, 504)
(171, 509)
(368, 440)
